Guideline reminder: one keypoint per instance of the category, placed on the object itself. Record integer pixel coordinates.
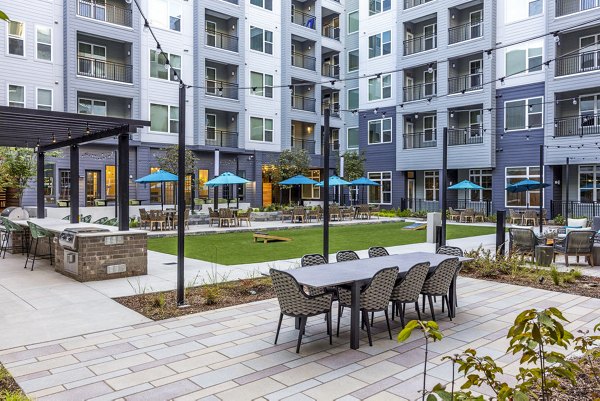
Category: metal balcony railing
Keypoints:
(334, 109)
(89, 67)
(220, 138)
(330, 31)
(305, 144)
(221, 40)
(420, 44)
(574, 208)
(576, 63)
(465, 83)
(221, 89)
(425, 139)
(330, 70)
(304, 19)
(413, 3)
(105, 12)
(566, 7)
(304, 61)
(470, 30)
(419, 91)
(464, 136)
(303, 103)
(582, 125)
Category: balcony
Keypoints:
(465, 83)
(330, 70)
(305, 144)
(413, 3)
(304, 19)
(426, 139)
(420, 44)
(304, 61)
(582, 125)
(303, 103)
(101, 69)
(468, 31)
(334, 109)
(105, 12)
(330, 31)
(220, 138)
(464, 136)
(221, 40)
(221, 89)
(577, 63)
(419, 91)
(566, 7)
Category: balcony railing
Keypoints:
(304, 19)
(574, 208)
(105, 12)
(566, 7)
(333, 108)
(305, 144)
(303, 103)
(419, 204)
(413, 3)
(221, 40)
(332, 32)
(576, 63)
(426, 139)
(330, 70)
(220, 138)
(304, 61)
(221, 89)
(420, 44)
(465, 83)
(420, 91)
(89, 67)
(586, 124)
(465, 136)
(470, 30)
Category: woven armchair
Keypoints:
(468, 216)
(312, 259)
(298, 214)
(343, 256)
(375, 211)
(226, 217)
(438, 284)
(374, 297)
(363, 212)
(596, 228)
(314, 214)
(530, 216)
(334, 213)
(244, 216)
(376, 251)
(408, 289)
(213, 216)
(157, 218)
(346, 213)
(523, 241)
(144, 218)
(293, 301)
(576, 243)
(86, 219)
(514, 215)
(452, 251)
(287, 214)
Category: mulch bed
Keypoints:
(9, 389)
(587, 387)
(163, 305)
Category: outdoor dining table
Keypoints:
(359, 272)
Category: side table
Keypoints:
(544, 255)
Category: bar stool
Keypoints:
(38, 233)
(11, 228)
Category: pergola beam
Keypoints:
(86, 138)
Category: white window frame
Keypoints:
(264, 130)
(315, 192)
(169, 106)
(381, 47)
(476, 176)
(381, 88)
(348, 22)
(348, 98)
(528, 57)
(348, 59)
(161, 23)
(93, 101)
(262, 92)
(529, 5)
(432, 131)
(436, 188)
(263, 5)
(523, 14)
(264, 40)
(37, 101)
(358, 137)
(381, 7)
(21, 38)
(596, 177)
(382, 136)
(24, 94)
(372, 175)
(507, 107)
(47, 44)
(594, 113)
(527, 175)
(214, 132)
(169, 74)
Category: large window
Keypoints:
(44, 99)
(202, 179)
(16, 96)
(380, 44)
(432, 185)
(262, 84)
(155, 188)
(524, 60)
(380, 87)
(482, 178)
(380, 131)
(523, 114)
(378, 6)
(261, 129)
(352, 138)
(91, 106)
(64, 177)
(312, 191)
(261, 40)
(266, 4)
(159, 69)
(165, 14)
(383, 193)
(110, 181)
(517, 10)
(49, 170)
(589, 184)
(522, 199)
(164, 118)
(353, 99)
(43, 40)
(353, 22)
(16, 38)
(353, 60)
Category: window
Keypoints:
(202, 178)
(352, 138)
(523, 114)
(49, 169)
(353, 99)
(383, 193)
(522, 199)
(261, 129)
(16, 96)
(261, 40)
(64, 177)
(380, 131)
(164, 118)
(312, 191)
(380, 88)
(44, 99)
(16, 38)
(266, 4)
(159, 69)
(353, 60)
(589, 184)
(380, 44)
(482, 178)
(524, 61)
(155, 188)
(378, 6)
(589, 110)
(518, 10)
(262, 84)
(353, 22)
(43, 39)
(432, 185)
(110, 181)
(535, 7)
(91, 106)
(165, 14)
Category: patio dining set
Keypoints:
(162, 219)
(228, 217)
(301, 214)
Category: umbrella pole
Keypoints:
(162, 196)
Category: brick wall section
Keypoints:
(95, 256)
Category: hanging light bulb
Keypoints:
(69, 133)
(416, 116)
(451, 114)
(383, 114)
(376, 110)
(87, 128)
(146, 26)
(128, 1)
(489, 53)
(430, 68)
(167, 64)
(574, 101)
(220, 91)
(53, 138)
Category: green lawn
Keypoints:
(238, 248)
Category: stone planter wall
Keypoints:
(265, 216)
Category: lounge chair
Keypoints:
(523, 241)
(438, 284)
(576, 243)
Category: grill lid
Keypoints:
(85, 230)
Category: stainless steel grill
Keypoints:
(68, 238)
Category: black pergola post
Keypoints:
(567, 193)
(444, 183)
(326, 185)
(74, 187)
(123, 182)
(41, 207)
(541, 188)
(181, 199)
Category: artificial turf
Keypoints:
(239, 248)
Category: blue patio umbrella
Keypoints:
(365, 182)
(160, 176)
(297, 180)
(334, 181)
(525, 186)
(226, 179)
(465, 185)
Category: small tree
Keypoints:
(170, 160)
(290, 163)
(354, 165)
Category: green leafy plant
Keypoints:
(559, 220)
(555, 275)
(354, 165)
(211, 294)
(159, 300)
(169, 161)
(404, 213)
(587, 346)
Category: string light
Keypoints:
(69, 133)
(87, 128)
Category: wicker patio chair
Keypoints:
(346, 213)
(86, 219)
(343, 256)
(67, 217)
(452, 251)
(596, 228)
(374, 297)
(523, 241)
(479, 216)
(530, 215)
(374, 211)
(408, 289)
(467, 216)
(144, 218)
(244, 216)
(157, 218)
(294, 302)
(103, 220)
(438, 284)
(576, 243)
(334, 213)
(38, 233)
(453, 215)
(514, 215)
(376, 251)
(315, 259)
(287, 214)
(363, 212)
(213, 216)
(298, 214)
(314, 214)
(226, 217)
(186, 219)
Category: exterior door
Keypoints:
(211, 80)
(411, 192)
(410, 89)
(409, 131)
(92, 186)
(589, 55)
(92, 60)
(429, 86)
(475, 19)
(211, 33)
(429, 37)
(409, 43)
(428, 128)
(211, 127)
(475, 74)
(474, 123)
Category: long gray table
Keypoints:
(357, 273)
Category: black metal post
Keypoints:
(541, 189)
(192, 190)
(74, 184)
(444, 183)
(237, 187)
(326, 185)
(567, 192)
(123, 182)
(117, 192)
(181, 198)
(41, 207)
(216, 174)
(500, 234)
